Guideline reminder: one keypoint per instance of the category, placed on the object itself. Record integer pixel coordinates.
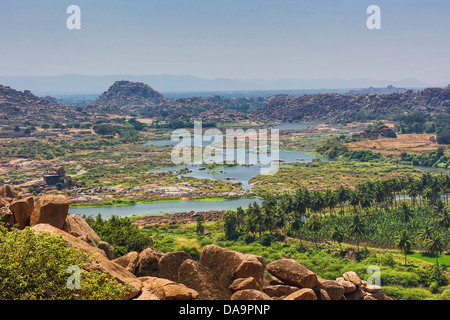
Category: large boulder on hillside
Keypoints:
(302, 294)
(170, 263)
(6, 217)
(4, 203)
(291, 272)
(250, 294)
(352, 277)
(244, 284)
(229, 265)
(348, 285)
(50, 209)
(335, 290)
(129, 261)
(358, 294)
(154, 288)
(279, 290)
(200, 278)
(108, 249)
(373, 288)
(22, 210)
(148, 263)
(6, 191)
(99, 262)
(78, 227)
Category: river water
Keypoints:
(142, 209)
(238, 173)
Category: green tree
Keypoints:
(337, 235)
(314, 226)
(200, 228)
(404, 243)
(35, 267)
(435, 245)
(121, 233)
(356, 229)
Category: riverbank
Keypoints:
(178, 218)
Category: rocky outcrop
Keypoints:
(128, 261)
(108, 249)
(22, 210)
(229, 265)
(334, 108)
(220, 274)
(100, 262)
(51, 209)
(170, 263)
(163, 289)
(148, 263)
(78, 227)
(202, 279)
(250, 294)
(291, 272)
(6, 191)
(6, 217)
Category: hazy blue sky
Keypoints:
(238, 39)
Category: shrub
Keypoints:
(399, 293)
(120, 233)
(34, 267)
(190, 246)
(400, 278)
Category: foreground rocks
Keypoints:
(220, 274)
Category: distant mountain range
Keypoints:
(88, 84)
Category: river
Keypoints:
(142, 209)
(238, 173)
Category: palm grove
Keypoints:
(403, 213)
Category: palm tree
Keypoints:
(405, 212)
(314, 225)
(337, 236)
(342, 196)
(356, 229)
(438, 208)
(354, 199)
(296, 225)
(256, 217)
(413, 191)
(444, 219)
(425, 234)
(435, 245)
(330, 199)
(404, 243)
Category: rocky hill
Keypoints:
(220, 274)
(352, 107)
(22, 106)
(372, 90)
(125, 98)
